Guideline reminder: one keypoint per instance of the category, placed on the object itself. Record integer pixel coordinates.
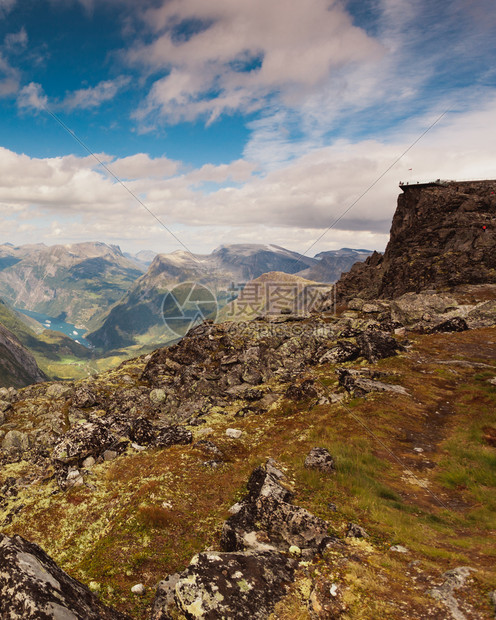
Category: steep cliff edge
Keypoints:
(442, 235)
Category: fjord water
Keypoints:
(57, 325)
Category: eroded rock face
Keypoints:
(33, 587)
(441, 236)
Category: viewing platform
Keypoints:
(437, 182)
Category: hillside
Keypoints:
(400, 492)
(77, 282)
(18, 367)
(56, 354)
(138, 317)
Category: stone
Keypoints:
(319, 458)
(88, 462)
(109, 455)
(371, 308)
(173, 435)
(303, 391)
(376, 345)
(412, 307)
(15, 441)
(398, 549)
(453, 579)
(142, 431)
(344, 351)
(138, 589)
(359, 384)
(58, 390)
(455, 324)
(157, 396)
(234, 433)
(226, 585)
(356, 531)
(4, 406)
(33, 587)
(84, 397)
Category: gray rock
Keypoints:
(453, 579)
(234, 433)
(4, 405)
(173, 435)
(356, 531)
(83, 440)
(33, 587)
(84, 397)
(455, 324)
(58, 390)
(109, 455)
(226, 585)
(138, 589)
(376, 345)
(357, 383)
(411, 307)
(157, 396)
(398, 549)
(319, 458)
(15, 441)
(344, 351)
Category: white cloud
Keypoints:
(289, 206)
(32, 97)
(236, 56)
(16, 41)
(6, 6)
(94, 96)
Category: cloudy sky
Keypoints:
(234, 120)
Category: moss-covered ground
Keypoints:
(416, 470)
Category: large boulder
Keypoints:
(33, 587)
(226, 585)
(376, 345)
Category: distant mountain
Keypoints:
(138, 317)
(142, 259)
(77, 283)
(333, 263)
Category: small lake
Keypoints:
(49, 322)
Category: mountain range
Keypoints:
(138, 317)
(77, 282)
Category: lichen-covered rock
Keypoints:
(173, 435)
(58, 390)
(84, 397)
(15, 441)
(360, 383)
(344, 351)
(87, 439)
(142, 431)
(376, 345)
(455, 324)
(226, 585)
(356, 531)
(319, 458)
(33, 587)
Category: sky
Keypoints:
(170, 124)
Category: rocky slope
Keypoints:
(18, 367)
(442, 235)
(78, 282)
(138, 317)
(381, 423)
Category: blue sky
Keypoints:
(236, 121)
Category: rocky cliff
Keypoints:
(442, 235)
(18, 367)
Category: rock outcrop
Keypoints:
(261, 545)
(33, 587)
(442, 235)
